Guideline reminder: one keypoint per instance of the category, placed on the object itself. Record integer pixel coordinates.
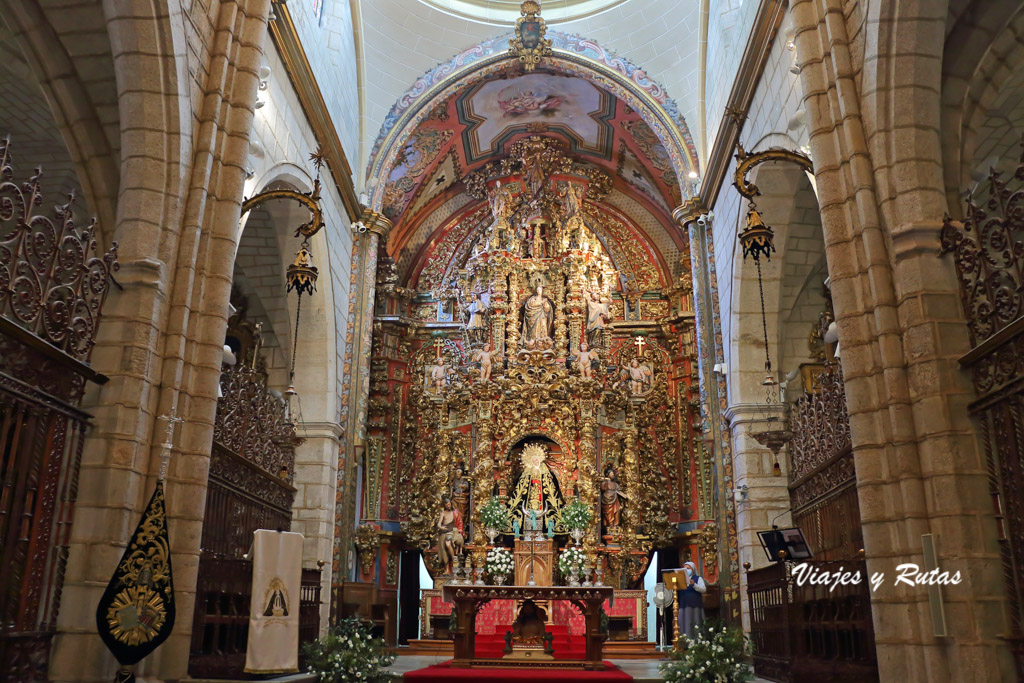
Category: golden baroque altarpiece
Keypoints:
(528, 367)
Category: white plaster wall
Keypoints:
(281, 129)
(330, 46)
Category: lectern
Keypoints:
(675, 580)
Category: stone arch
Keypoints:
(978, 67)
(572, 56)
(78, 102)
(789, 206)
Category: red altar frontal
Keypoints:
(627, 615)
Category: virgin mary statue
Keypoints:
(536, 491)
(538, 316)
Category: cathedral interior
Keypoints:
(506, 314)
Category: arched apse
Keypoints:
(573, 57)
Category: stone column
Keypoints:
(694, 219)
(372, 234)
(316, 480)
(919, 467)
(767, 497)
(161, 336)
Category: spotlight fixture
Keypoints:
(693, 175)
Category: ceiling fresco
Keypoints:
(462, 118)
(479, 124)
(495, 111)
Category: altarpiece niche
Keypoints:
(550, 381)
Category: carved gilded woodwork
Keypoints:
(429, 404)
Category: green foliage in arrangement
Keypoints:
(715, 654)
(347, 654)
(576, 515)
(494, 514)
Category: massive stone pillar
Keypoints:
(161, 336)
(372, 234)
(920, 474)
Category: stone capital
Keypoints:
(690, 211)
(753, 413)
(376, 223)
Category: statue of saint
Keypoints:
(476, 325)
(450, 534)
(536, 497)
(611, 499)
(598, 316)
(639, 378)
(460, 490)
(585, 358)
(538, 317)
(485, 357)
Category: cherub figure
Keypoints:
(485, 357)
(639, 376)
(438, 376)
(585, 358)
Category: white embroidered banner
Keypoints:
(274, 610)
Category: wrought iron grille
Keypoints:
(51, 284)
(988, 250)
(251, 468)
(52, 288)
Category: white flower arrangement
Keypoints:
(571, 560)
(714, 653)
(349, 652)
(499, 561)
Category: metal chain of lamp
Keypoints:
(758, 241)
(301, 275)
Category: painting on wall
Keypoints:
(496, 110)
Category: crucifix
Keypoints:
(165, 455)
(640, 342)
(438, 345)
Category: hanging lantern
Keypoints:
(301, 274)
(757, 238)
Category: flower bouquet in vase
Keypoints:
(494, 516)
(576, 517)
(571, 562)
(499, 564)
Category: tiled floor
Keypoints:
(642, 670)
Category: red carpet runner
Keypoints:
(439, 673)
(491, 646)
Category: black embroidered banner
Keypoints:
(136, 613)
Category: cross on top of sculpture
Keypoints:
(640, 343)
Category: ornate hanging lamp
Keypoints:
(758, 241)
(301, 275)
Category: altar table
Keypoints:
(469, 599)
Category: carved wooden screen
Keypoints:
(822, 475)
(829, 634)
(51, 291)
(988, 250)
(251, 470)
